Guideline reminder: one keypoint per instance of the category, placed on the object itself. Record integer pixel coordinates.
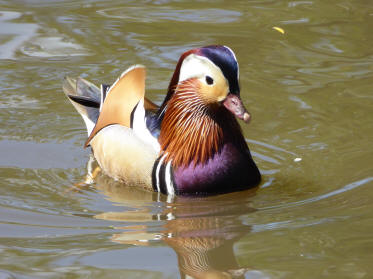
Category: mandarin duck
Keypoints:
(191, 144)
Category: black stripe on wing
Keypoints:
(85, 101)
(133, 115)
(104, 89)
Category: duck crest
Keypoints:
(190, 132)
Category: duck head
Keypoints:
(198, 111)
(214, 73)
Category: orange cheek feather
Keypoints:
(213, 93)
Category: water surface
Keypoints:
(309, 92)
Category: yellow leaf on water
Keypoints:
(279, 29)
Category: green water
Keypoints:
(310, 93)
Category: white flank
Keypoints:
(124, 156)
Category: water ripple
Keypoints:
(162, 14)
(19, 33)
(344, 189)
(47, 155)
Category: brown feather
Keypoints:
(175, 77)
(121, 100)
(149, 105)
(189, 131)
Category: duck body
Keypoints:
(131, 162)
(227, 171)
(191, 145)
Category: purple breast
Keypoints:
(229, 170)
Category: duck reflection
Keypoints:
(202, 231)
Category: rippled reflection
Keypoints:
(202, 231)
(309, 91)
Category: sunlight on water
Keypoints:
(17, 33)
(309, 90)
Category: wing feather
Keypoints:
(121, 99)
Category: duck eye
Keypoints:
(209, 80)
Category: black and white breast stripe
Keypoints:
(163, 177)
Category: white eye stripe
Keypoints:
(195, 66)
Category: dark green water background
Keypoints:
(310, 92)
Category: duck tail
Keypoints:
(85, 97)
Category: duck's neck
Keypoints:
(193, 132)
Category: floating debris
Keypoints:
(279, 29)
